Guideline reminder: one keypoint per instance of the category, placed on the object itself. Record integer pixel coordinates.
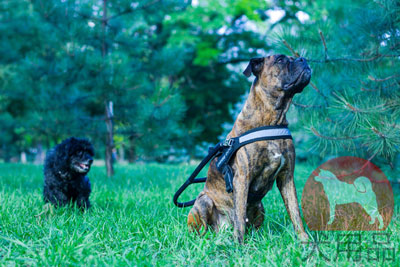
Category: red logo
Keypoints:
(347, 194)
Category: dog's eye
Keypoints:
(280, 59)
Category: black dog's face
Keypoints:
(80, 155)
(81, 161)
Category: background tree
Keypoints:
(172, 71)
(84, 59)
(353, 103)
(140, 57)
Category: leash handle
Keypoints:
(193, 180)
(182, 188)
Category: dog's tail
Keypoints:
(362, 184)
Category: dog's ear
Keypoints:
(255, 67)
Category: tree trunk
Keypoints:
(121, 154)
(109, 138)
(40, 155)
(104, 45)
(23, 157)
(131, 149)
(108, 106)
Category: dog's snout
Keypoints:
(90, 161)
(302, 60)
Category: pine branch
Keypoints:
(373, 58)
(352, 108)
(363, 88)
(393, 125)
(368, 90)
(377, 132)
(306, 106)
(326, 59)
(324, 43)
(319, 92)
(290, 48)
(316, 133)
(383, 79)
(347, 104)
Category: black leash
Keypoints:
(193, 180)
(225, 151)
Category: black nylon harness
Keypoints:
(224, 151)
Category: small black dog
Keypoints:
(65, 172)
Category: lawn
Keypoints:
(134, 222)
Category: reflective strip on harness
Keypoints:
(265, 133)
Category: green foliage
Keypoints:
(212, 38)
(353, 105)
(61, 70)
(173, 72)
(163, 64)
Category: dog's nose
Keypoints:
(90, 161)
(302, 60)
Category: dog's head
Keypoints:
(77, 154)
(326, 176)
(280, 73)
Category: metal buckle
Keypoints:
(228, 142)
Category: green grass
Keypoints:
(134, 222)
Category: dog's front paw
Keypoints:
(195, 223)
(239, 236)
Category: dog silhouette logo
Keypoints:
(347, 194)
(339, 192)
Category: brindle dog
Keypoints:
(257, 165)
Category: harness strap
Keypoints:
(231, 145)
(224, 151)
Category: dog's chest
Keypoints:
(268, 159)
(69, 185)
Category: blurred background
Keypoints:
(161, 80)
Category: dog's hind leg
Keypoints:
(332, 206)
(374, 213)
(380, 219)
(373, 217)
(83, 202)
(57, 198)
(201, 213)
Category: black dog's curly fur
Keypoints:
(65, 172)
